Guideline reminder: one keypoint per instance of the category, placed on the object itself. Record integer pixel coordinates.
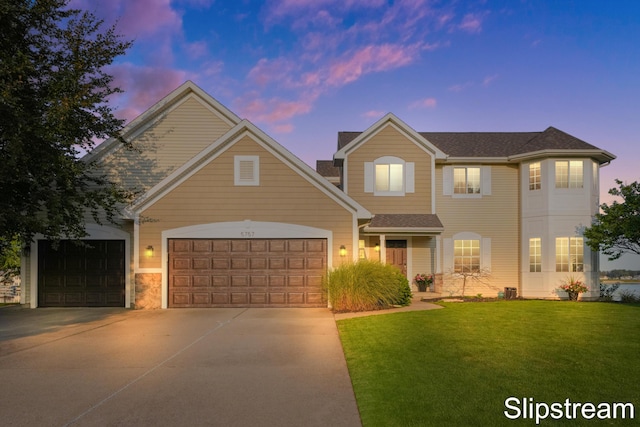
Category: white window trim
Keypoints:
(408, 181)
(485, 250)
(237, 180)
(485, 182)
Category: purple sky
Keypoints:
(302, 70)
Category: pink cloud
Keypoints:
(139, 18)
(489, 79)
(272, 110)
(424, 103)
(283, 128)
(460, 87)
(370, 59)
(471, 23)
(267, 71)
(373, 114)
(143, 87)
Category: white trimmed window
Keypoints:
(467, 252)
(246, 170)
(569, 174)
(466, 181)
(389, 176)
(569, 254)
(466, 256)
(534, 176)
(535, 255)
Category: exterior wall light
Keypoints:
(148, 252)
(377, 248)
(343, 251)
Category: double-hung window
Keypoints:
(569, 254)
(389, 176)
(569, 174)
(535, 255)
(466, 180)
(535, 176)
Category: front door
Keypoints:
(397, 254)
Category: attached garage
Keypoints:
(246, 272)
(91, 274)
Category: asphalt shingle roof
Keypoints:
(492, 144)
(405, 221)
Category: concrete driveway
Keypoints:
(215, 367)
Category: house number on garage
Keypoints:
(247, 233)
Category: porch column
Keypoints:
(383, 251)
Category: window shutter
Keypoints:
(447, 181)
(368, 177)
(447, 252)
(485, 254)
(409, 180)
(486, 180)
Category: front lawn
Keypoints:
(458, 365)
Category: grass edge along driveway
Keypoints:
(458, 366)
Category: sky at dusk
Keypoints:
(302, 70)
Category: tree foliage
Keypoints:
(616, 230)
(54, 91)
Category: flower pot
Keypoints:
(422, 287)
(573, 296)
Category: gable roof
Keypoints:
(352, 140)
(145, 120)
(242, 129)
(506, 145)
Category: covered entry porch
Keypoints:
(411, 242)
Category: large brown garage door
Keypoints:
(246, 272)
(88, 275)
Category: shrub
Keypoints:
(628, 296)
(366, 285)
(606, 291)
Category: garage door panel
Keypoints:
(239, 263)
(239, 298)
(314, 263)
(89, 274)
(181, 281)
(260, 246)
(201, 281)
(247, 272)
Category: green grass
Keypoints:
(457, 365)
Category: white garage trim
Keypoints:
(240, 230)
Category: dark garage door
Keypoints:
(246, 272)
(87, 275)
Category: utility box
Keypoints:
(510, 293)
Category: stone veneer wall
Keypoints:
(148, 291)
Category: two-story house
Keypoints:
(226, 216)
(487, 209)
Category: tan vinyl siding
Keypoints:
(423, 256)
(210, 196)
(390, 142)
(495, 217)
(169, 143)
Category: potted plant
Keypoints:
(423, 281)
(573, 287)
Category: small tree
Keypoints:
(54, 91)
(616, 230)
(467, 276)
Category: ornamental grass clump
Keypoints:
(366, 285)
